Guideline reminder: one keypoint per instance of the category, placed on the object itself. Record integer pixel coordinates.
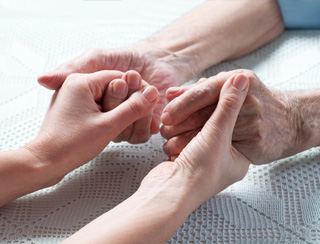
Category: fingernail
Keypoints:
(173, 90)
(134, 81)
(166, 118)
(119, 88)
(151, 94)
(240, 82)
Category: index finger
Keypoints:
(99, 81)
(198, 97)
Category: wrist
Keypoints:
(151, 215)
(305, 119)
(46, 160)
(180, 56)
(22, 173)
(168, 180)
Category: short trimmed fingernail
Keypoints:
(150, 93)
(119, 88)
(240, 82)
(166, 118)
(134, 81)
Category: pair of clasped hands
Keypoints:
(93, 106)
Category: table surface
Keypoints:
(274, 203)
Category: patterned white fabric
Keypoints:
(275, 203)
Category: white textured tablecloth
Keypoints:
(275, 203)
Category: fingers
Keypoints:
(137, 106)
(134, 81)
(117, 92)
(192, 100)
(99, 81)
(90, 61)
(174, 92)
(223, 120)
(140, 130)
(96, 82)
(176, 144)
(194, 121)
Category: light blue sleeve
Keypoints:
(300, 14)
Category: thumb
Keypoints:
(137, 106)
(88, 62)
(53, 80)
(232, 96)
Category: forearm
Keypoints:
(151, 215)
(218, 31)
(21, 173)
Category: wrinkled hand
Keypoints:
(209, 162)
(151, 64)
(265, 129)
(75, 129)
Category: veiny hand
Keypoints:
(209, 162)
(154, 66)
(75, 129)
(266, 129)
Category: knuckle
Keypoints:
(93, 57)
(231, 103)
(250, 74)
(254, 104)
(73, 81)
(202, 93)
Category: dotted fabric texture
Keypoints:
(274, 203)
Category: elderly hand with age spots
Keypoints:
(270, 125)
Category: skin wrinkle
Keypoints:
(296, 115)
(313, 107)
(206, 42)
(137, 62)
(268, 127)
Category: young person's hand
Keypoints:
(172, 190)
(76, 128)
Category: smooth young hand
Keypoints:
(76, 129)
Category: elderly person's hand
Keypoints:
(269, 126)
(157, 67)
(75, 129)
